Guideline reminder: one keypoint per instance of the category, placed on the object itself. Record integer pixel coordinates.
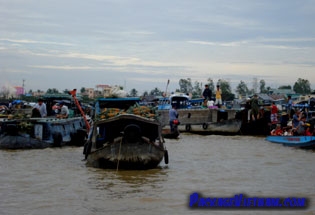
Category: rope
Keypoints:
(119, 154)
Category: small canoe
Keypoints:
(294, 141)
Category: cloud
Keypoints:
(26, 41)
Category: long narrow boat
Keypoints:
(293, 141)
(124, 136)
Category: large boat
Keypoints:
(293, 141)
(124, 135)
(22, 129)
(196, 118)
(36, 133)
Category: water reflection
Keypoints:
(119, 183)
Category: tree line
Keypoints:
(301, 86)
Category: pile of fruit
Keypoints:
(144, 111)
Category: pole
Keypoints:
(73, 94)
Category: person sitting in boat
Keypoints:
(300, 129)
(287, 132)
(64, 111)
(277, 131)
(173, 117)
(308, 130)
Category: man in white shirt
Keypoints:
(64, 111)
(41, 107)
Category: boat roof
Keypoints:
(179, 95)
(120, 99)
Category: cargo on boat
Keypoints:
(124, 135)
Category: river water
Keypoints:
(56, 180)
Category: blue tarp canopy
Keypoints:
(16, 102)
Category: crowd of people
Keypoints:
(298, 125)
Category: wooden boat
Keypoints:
(260, 126)
(195, 118)
(229, 126)
(293, 141)
(125, 136)
(31, 133)
(168, 134)
(21, 131)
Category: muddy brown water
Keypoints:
(56, 180)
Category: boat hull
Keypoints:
(140, 155)
(230, 126)
(293, 141)
(38, 133)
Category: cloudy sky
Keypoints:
(140, 44)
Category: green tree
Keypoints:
(211, 85)
(52, 91)
(133, 92)
(262, 86)
(82, 90)
(185, 85)
(145, 93)
(225, 87)
(155, 92)
(302, 86)
(197, 90)
(242, 88)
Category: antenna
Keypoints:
(23, 86)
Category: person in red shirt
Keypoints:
(274, 113)
(307, 130)
(277, 131)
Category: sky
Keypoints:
(67, 44)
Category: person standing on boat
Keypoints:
(64, 111)
(289, 106)
(41, 107)
(218, 97)
(274, 113)
(254, 107)
(207, 93)
(173, 117)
